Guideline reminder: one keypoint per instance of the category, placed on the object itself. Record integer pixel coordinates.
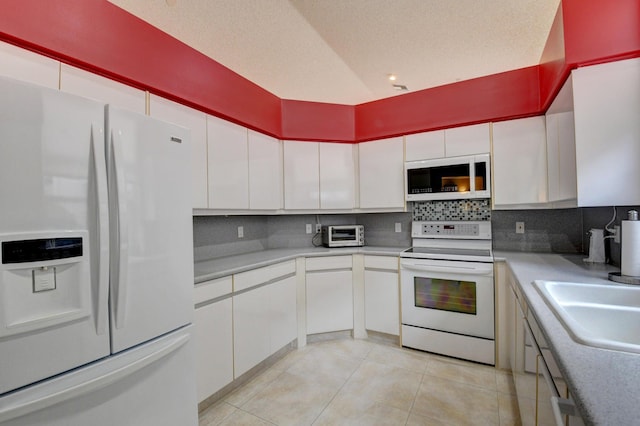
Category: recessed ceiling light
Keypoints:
(392, 77)
(400, 87)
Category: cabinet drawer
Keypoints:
(211, 289)
(328, 262)
(381, 262)
(259, 276)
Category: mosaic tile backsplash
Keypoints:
(452, 210)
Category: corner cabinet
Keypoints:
(319, 175)
(519, 163)
(382, 295)
(329, 294)
(381, 166)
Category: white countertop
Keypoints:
(605, 384)
(217, 268)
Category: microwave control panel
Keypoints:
(460, 229)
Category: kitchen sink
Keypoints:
(604, 316)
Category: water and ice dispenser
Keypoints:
(44, 281)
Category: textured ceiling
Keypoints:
(341, 51)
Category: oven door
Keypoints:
(450, 296)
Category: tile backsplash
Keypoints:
(452, 210)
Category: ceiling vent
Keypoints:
(400, 87)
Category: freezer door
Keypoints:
(151, 385)
(53, 264)
(151, 227)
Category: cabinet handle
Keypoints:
(561, 407)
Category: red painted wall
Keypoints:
(317, 121)
(100, 37)
(601, 30)
(496, 97)
(553, 66)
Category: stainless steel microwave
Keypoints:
(451, 178)
(343, 236)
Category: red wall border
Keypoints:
(102, 38)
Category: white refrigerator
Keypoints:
(96, 267)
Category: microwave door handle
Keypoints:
(447, 269)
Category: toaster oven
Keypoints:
(343, 235)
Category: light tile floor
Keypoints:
(362, 382)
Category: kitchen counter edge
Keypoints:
(207, 270)
(605, 384)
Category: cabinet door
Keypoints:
(283, 316)
(382, 174)
(83, 83)
(424, 146)
(265, 172)
(214, 347)
(27, 66)
(561, 156)
(196, 122)
(607, 131)
(329, 301)
(228, 165)
(301, 175)
(337, 176)
(519, 162)
(467, 140)
(381, 302)
(251, 333)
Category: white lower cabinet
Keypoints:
(251, 341)
(282, 319)
(214, 347)
(329, 292)
(213, 334)
(381, 295)
(264, 314)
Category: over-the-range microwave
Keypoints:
(450, 178)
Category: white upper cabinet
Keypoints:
(467, 140)
(27, 66)
(455, 142)
(319, 175)
(228, 165)
(381, 165)
(337, 176)
(301, 175)
(519, 162)
(607, 133)
(424, 146)
(265, 172)
(561, 147)
(195, 121)
(83, 83)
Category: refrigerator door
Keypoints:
(152, 384)
(151, 228)
(53, 265)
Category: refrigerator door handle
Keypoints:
(120, 275)
(97, 148)
(41, 400)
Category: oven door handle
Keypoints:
(449, 269)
